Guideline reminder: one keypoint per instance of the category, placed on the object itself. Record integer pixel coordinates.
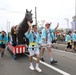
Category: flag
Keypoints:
(73, 26)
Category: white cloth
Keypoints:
(48, 41)
(33, 52)
(48, 36)
(48, 44)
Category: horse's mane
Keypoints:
(22, 28)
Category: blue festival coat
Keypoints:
(44, 34)
(4, 40)
(30, 36)
(68, 38)
(54, 36)
(74, 37)
(38, 39)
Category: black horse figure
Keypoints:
(22, 28)
(14, 36)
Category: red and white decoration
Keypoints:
(17, 49)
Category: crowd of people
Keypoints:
(38, 41)
(70, 40)
(44, 39)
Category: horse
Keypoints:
(22, 28)
(14, 35)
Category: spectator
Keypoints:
(68, 40)
(3, 42)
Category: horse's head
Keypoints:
(28, 16)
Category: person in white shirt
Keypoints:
(46, 38)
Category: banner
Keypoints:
(73, 26)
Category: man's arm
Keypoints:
(27, 34)
(57, 26)
(30, 25)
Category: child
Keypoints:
(68, 40)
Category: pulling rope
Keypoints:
(2, 41)
(34, 45)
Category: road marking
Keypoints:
(52, 67)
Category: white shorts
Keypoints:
(48, 44)
(33, 52)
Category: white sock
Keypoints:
(51, 59)
(31, 64)
(37, 64)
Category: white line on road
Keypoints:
(52, 67)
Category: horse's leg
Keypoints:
(20, 37)
(14, 39)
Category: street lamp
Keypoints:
(67, 22)
(36, 15)
(42, 22)
(8, 26)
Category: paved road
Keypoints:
(66, 64)
(61, 47)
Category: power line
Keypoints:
(3, 8)
(23, 12)
(10, 11)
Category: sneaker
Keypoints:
(53, 62)
(32, 68)
(42, 59)
(38, 69)
(2, 54)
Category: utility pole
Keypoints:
(67, 22)
(36, 15)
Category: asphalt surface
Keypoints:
(66, 64)
(62, 47)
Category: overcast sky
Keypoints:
(54, 11)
